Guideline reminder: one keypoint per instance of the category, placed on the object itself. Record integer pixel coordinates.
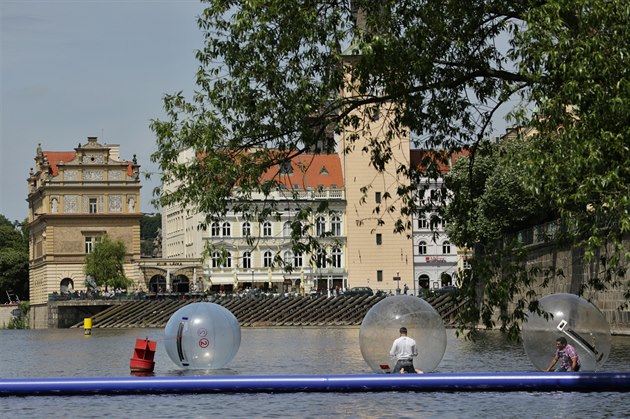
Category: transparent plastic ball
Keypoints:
(381, 325)
(202, 336)
(571, 317)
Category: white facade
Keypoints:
(236, 254)
(436, 259)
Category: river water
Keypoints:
(281, 351)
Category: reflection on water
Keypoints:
(285, 351)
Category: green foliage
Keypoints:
(20, 322)
(269, 86)
(13, 260)
(149, 225)
(105, 264)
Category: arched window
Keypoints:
(267, 259)
(422, 248)
(227, 229)
(247, 229)
(446, 280)
(321, 258)
(446, 248)
(228, 259)
(267, 229)
(423, 281)
(336, 257)
(220, 260)
(216, 259)
(247, 260)
(214, 229)
(335, 226)
(288, 258)
(286, 229)
(320, 224)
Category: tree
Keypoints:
(149, 226)
(13, 260)
(105, 264)
(271, 74)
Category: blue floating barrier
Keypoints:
(467, 382)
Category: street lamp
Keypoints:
(397, 279)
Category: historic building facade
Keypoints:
(243, 250)
(437, 261)
(75, 197)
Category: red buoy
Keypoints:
(143, 354)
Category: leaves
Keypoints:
(105, 264)
(278, 79)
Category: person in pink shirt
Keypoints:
(567, 355)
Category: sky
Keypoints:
(72, 69)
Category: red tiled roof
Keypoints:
(310, 170)
(444, 165)
(54, 157)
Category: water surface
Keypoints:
(275, 351)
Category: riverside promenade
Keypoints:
(250, 311)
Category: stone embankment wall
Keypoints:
(6, 314)
(576, 272)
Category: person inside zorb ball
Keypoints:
(382, 325)
(570, 319)
(202, 336)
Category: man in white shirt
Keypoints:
(404, 350)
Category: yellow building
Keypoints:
(75, 197)
(378, 257)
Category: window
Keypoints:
(92, 206)
(320, 224)
(379, 276)
(247, 229)
(247, 260)
(422, 222)
(336, 257)
(228, 259)
(214, 230)
(321, 259)
(377, 197)
(267, 229)
(227, 229)
(89, 244)
(379, 239)
(467, 264)
(216, 259)
(288, 257)
(335, 226)
(435, 222)
(267, 259)
(446, 248)
(297, 260)
(285, 168)
(286, 229)
(422, 248)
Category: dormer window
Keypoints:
(323, 171)
(285, 168)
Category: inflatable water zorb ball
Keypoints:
(202, 336)
(381, 325)
(571, 317)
